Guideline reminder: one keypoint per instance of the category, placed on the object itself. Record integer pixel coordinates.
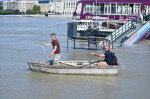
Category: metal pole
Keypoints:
(96, 44)
(67, 41)
(109, 44)
(74, 43)
(115, 34)
(67, 35)
(125, 27)
(88, 44)
(112, 41)
(108, 22)
(103, 45)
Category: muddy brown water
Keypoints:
(20, 39)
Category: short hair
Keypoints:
(53, 34)
(107, 47)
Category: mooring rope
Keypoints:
(45, 52)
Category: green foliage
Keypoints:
(9, 12)
(36, 10)
(22, 12)
(17, 12)
(1, 7)
(29, 11)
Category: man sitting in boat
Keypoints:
(56, 48)
(107, 55)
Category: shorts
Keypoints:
(56, 59)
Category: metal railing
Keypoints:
(118, 32)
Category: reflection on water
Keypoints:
(17, 48)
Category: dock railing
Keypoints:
(118, 32)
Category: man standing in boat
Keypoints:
(56, 48)
(107, 55)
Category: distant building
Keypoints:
(64, 7)
(23, 6)
(1, 3)
(57, 8)
(69, 7)
(10, 5)
(45, 6)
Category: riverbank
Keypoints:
(36, 15)
(22, 15)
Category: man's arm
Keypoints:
(55, 48)
(102, 55)
(47, 44)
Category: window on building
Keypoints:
(119, 8)
(102, 8)
(137, 8)
(149, 10)
(125, 9)
(97, 8)
(88, 8)
(79, 7)
(107, 8)
(113, 8)
(146, 9)
(130, 9)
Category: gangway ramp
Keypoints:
(138, 34)
(144, 36)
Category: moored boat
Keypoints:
(73, 67)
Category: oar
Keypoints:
(66, 63)
(91, 62)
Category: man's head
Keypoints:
(53, 36)
(106, 48)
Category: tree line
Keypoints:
(36, 10)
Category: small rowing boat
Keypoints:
(73, 67)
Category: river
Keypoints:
(20, 39)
